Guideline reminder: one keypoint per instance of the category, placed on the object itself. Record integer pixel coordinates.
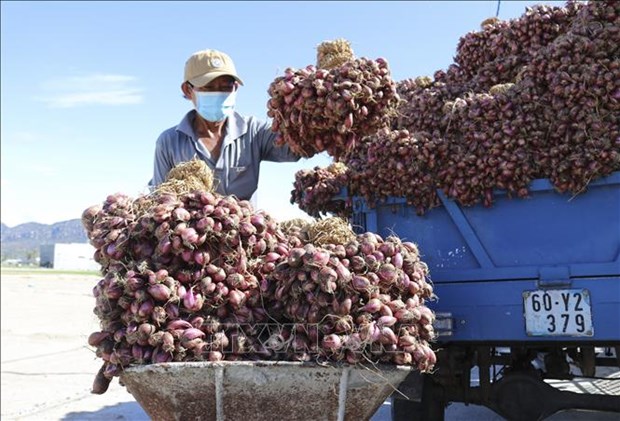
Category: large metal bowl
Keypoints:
(261, 390)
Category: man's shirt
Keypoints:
(247, 142)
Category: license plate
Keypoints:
(558, 312)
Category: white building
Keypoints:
(68, 256)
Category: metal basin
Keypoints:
(263, 390)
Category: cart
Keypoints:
(262, 390)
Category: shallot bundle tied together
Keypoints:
(316, 109)
(315, 189)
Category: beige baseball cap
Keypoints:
(204, 66)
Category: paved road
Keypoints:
(47, 368)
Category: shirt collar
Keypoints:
(237, 126)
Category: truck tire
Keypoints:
(431, 408)
(406, 410)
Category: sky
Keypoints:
(88, 86)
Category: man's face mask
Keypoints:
(215, 106)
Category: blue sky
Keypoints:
(86, 87)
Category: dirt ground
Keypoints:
(47, 366)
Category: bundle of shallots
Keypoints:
(316, 109)
(314, 190)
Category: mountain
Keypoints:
(23, 241)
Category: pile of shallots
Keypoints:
(533, 97)
(530, 98)
(203, 277)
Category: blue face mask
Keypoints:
(215, 106)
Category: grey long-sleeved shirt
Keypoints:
(247, 142)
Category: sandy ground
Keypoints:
(48, 367)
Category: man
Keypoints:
(232, 145)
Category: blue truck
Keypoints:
(526, 289)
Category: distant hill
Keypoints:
(21, 241)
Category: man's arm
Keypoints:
(162, 163)
(269, 151)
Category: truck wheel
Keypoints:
(433, 400)
(406, 410)
(431, 408)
